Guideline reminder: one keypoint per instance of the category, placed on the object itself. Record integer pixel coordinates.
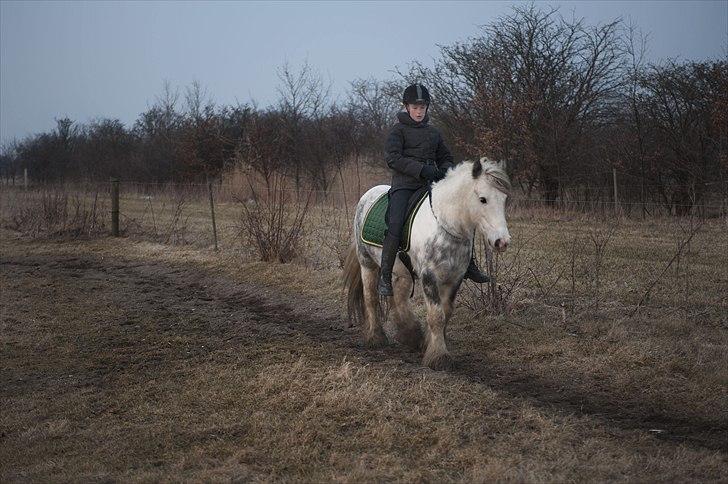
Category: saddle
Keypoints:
(375, 225)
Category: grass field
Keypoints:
(152, 357)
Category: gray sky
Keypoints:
(104, 59)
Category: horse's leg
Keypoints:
(374, 336)
(439, 309)
(409, 332)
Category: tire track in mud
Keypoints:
(243, 314)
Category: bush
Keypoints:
(55, 213)
(272, 220)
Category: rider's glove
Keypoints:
(431, 174)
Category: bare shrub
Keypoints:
(272, 221)
(509, 274)
(56, 213)
(600, 240)
(683, 246)
(683, 268)
(176, 229)
(167, 223)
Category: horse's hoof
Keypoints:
(441, 362)
(411, 337)
(376, 340)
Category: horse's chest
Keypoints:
(444, 257)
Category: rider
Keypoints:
(418, 156)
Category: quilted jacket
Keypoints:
(409, 147)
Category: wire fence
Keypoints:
(594, 199)
(214, 214)
(219, 214)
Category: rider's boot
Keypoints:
(389, 255)
(475, 274)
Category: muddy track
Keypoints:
(236, 313)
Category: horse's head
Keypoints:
(487, 202)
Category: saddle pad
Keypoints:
(374, 228)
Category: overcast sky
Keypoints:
(102, 59)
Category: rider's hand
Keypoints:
(440, 175)
(431, 174)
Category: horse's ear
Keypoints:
(477, 168)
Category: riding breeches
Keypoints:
(397, 211)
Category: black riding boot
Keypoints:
(474, 274)
(389, 256)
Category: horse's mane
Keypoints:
(494, 169)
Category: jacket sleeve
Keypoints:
(444, 157)
(395, 160)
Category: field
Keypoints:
(603, 355)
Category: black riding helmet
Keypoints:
(416, 93)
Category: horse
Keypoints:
(470, 198)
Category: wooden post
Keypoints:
(25, 178)
(115, 207)
(614, 181)
(212, 211)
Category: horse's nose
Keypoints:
(501, 244)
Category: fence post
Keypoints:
(212, 211)
(115, 207)
(25, 178)
(614, 181)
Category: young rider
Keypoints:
(417, 156)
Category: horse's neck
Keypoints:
(447, 198)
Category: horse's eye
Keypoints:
(483, 200)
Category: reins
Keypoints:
(437, 220)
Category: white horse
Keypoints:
(470, 198)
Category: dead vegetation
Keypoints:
(273, 220)
(55, 212)
(599, 353)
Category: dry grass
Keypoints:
(54, 212)
(187, 364)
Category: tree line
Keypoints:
(562, 101)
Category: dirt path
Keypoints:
(157, 314)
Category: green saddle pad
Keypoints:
(372, 232)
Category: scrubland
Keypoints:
(600, 354)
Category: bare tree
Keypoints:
(9, 160)
(198, 101)
(682, 103)
(634, 146)
(532, 88)
(373, 104)
(303, 95)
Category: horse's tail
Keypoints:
(354, 287)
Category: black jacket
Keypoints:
(409, 147)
